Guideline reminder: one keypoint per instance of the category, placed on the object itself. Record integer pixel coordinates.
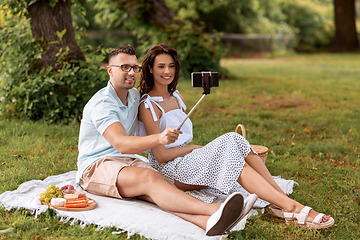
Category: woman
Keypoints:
(219, 165)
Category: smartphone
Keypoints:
(205, 79)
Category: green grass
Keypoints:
(304, 108)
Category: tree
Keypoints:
(48, 23)
(346, 39)
(45, 73)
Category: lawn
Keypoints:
(304, 108)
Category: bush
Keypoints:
(313, 23)
(32, 93)
(197, 53)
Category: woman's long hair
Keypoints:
(147, 80)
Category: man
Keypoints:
(107, 166)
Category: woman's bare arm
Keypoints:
(161, 153)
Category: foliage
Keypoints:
(29, 92)
(303, 107)
(110, 16)
(311, 21)
(197, 53)
(233, 16)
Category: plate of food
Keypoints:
(67, 198)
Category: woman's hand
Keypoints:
(193, 146)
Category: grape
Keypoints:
(42, 197)
(51, 192)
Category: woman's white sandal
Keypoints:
(299, 219)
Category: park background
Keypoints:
(289, 73)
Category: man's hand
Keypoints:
(169, 135)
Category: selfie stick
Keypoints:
(206, 91)
(182, 123)
(206, 85)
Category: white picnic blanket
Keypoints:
(133, 216)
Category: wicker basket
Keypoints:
(262, 151)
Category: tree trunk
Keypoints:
(346, 39)
(45, 22)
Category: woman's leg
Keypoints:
(187, 187)
(258, 165)
(253, 182)
(233, 141)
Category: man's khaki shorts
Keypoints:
(100, 178)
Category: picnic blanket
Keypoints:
(133, 216)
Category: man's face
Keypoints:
(120, 80)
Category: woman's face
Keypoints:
(164, 69)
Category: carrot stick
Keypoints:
(76, 205)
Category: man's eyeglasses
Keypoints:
(127, 68)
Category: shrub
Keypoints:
(32, 93)
(196, 52)
(313, 23)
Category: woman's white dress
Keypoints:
(217, 165)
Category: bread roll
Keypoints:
(58, 202)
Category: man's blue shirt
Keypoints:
(102, 110)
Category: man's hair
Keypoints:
(147, 80)
(128, 49)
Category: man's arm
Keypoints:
(161, 153)
(116, 135)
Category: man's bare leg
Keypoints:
(134, 181)
(198, 220)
